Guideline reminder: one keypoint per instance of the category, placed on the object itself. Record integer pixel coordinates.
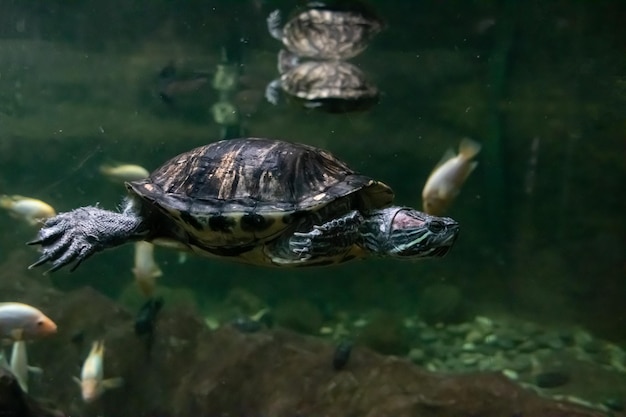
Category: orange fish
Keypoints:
(446, 180)
(20, 321)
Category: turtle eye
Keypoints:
(436, 226)
(39, 323)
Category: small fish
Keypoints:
(31, 210)
(255, 322)
(342, 355)
(124, 172)
(146, 270)
(92, 382)
(21, 321)
(19, 364)
(246, 325)
(172, 85)
(146, 317)
(446, 180)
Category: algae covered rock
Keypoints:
(191, 371)
(131, 297)
(299, 315)
(385, 333)
(440, 303)
(243, 302)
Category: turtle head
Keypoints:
(405, 233)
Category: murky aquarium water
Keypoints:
(332, 208)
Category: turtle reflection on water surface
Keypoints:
(331, 30)
(258, 201)
(332, 86)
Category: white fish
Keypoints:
(19, 364)
(446, 180)
(146, 270)
(124, 172)
(92, 382)
(31, 210)
(21, 321)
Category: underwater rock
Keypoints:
(614, 404)
(386, 334)
(243, 302)
(551, 379)
(133, 299)
(15, 403)
(299, 315)
(246, 325)
(440, 303)
(192, 371)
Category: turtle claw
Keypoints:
(62, 246)
(42, 260)
(307, 245)
(328, 239)
(74, 236)
(300, 245)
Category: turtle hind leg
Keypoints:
(331, 238)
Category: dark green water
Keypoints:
(543, 230)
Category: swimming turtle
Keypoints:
(333, 86)
(258, 201)
(327, 29)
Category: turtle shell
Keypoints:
(331, 30)
(333, 86)
(230, 196)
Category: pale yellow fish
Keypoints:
(124, 172)
(92, 382)
(146, 270)
(19, 364)
(31, 210)
(21, 321)
(446, 180)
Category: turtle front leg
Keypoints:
(76, 235)
(333, 237)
